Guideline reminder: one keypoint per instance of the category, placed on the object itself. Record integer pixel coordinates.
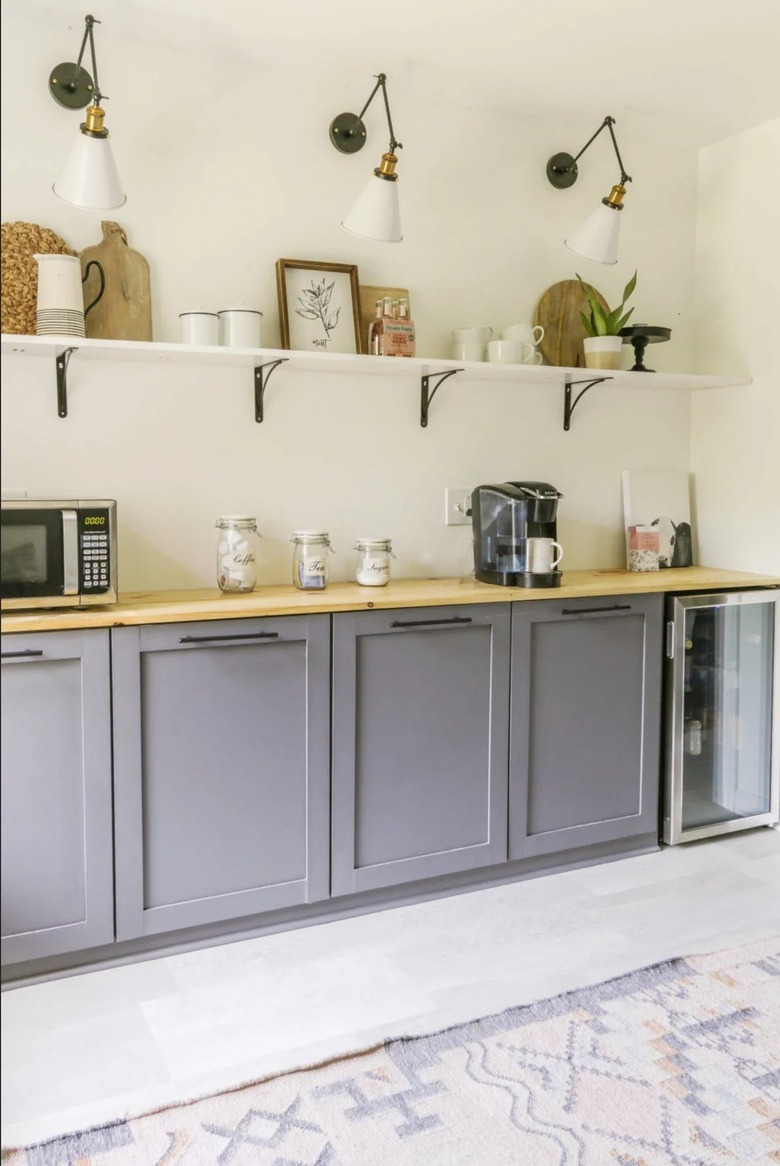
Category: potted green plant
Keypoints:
(603, 342)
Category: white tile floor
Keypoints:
(109, 1043)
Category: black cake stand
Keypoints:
(640, 336)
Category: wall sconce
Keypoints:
(598, 236)
(90, 178)
(375, 215)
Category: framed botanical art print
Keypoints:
(319, 305)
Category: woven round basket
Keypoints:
(20, 241)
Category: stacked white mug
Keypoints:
(527, 338)
(471, 343)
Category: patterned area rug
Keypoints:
(675, 1064)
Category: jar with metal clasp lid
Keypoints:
(373, 561)
(237, 552)
(310, 559)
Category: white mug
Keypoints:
(539, 554)
(199, 327)
(509, 351)
(468, 350)
(480, 332)
(533, 357)
(531, 335)
(240, 327)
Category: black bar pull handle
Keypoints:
(595, 610)
(429, 623)
(27, 654)
(228, 639)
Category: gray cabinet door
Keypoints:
(420, 718)
(221, 746)
(57, 859)
(585, 722)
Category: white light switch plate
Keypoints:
(457, 504)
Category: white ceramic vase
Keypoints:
(602, 351)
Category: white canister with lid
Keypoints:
(310, 559)
(373, 561)
(241, 327)
(237, 552)
(199, 327)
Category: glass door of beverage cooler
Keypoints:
(723, 684)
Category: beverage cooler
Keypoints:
(722, 696)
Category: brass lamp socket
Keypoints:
(386, 168)
(94, 122)
(615, 198)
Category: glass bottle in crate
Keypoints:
(310, 559)
(375, 330)
(373, 561)
(237, 552)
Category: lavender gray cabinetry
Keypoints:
(420, 739)
(221, 746)
(585, 722)
(57, 862)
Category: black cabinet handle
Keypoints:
(595, 610)
(28, 653)
(429, 623)
(228, 639)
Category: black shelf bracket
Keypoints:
(569, 404)
(61, 363)
(426, 396)
(261, 383)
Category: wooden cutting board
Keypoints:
(558, 312)
(368, 297)
(125, 310)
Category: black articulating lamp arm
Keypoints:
(347, 131)
(562, 168)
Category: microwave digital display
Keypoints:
(23, 554)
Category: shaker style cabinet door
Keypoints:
(420, 707)
(585, 722)
(221, 746)
(57, 860)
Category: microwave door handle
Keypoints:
(70, 553)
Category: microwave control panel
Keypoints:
(95, 551)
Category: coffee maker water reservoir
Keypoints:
(504, 518)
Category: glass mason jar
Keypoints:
(373, 561)
(237, 552)
(310, 559)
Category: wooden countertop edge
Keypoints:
(181, 606)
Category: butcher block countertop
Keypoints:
(156, 607)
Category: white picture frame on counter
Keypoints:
(319, 306)
(657, 519)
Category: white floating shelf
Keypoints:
(261, 363)
(331, 362)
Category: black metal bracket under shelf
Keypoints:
(261, 383)
(569, 404)
(61, 363)
(426, 396)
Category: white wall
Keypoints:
(218, 189)
(735, 435)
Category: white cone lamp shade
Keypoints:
(376, 215)
(90, 178)
(599, 235)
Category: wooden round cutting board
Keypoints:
(558, 312)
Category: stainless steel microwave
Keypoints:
(57, 553)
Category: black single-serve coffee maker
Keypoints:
(515, 534)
